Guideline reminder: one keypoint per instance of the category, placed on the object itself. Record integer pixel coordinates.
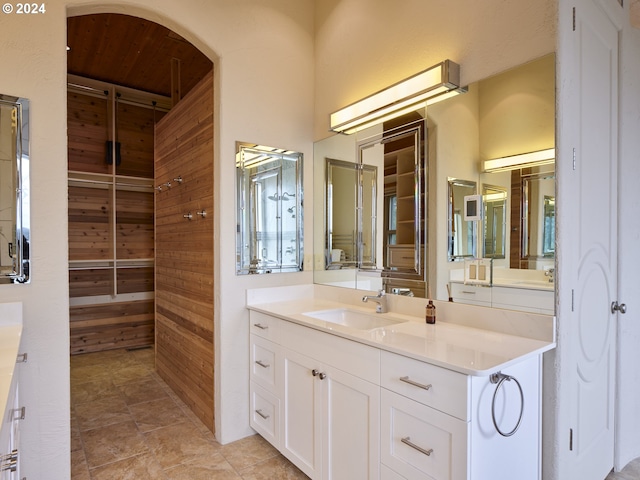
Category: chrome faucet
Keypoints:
(549, 273)
(380, 299)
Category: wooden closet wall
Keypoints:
(111, 238)
(184, 250)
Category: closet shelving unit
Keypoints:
(111, 220)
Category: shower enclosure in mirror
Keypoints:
(269, 209)
(14, 190)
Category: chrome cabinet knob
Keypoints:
(615, 307)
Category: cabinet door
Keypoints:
(351, 427)
(302, 407)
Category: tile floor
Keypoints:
(127, 424)
(630, 472)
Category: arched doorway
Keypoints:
(133, 278)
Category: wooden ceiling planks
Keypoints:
(132, 52)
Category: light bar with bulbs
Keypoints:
(523, 160)
(429, 86)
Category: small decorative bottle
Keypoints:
(430, 312)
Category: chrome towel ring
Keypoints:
(499, 378)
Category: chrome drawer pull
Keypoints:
(261, 327)
(407, 441)
(263, 365)
(468, 292)
(259, 412)
(415, 384)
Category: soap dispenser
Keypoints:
(430, 313)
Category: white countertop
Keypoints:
(464, 349)
(10, 334)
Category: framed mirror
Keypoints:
(494, 224)
(14, 190)
(269, 209)
(350, 214)
(462, 234)
(538, 216)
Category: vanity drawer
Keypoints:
(352, 357)
(471, 294)
(436, 387)
(421, 443)
(265, 326)
(264, 362)
(265, 414)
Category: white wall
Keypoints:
(363, 46)
(270, 103)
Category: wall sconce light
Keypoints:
(429, 86)
(523, 160)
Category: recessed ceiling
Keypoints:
(132, 52)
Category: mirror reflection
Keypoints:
(495, 220)
(348, 184)
(463, 233)
(269, 213)
(502, 118)
(14, 189)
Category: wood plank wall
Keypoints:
(184, 250)
(102, 233)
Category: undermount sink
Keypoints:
(354, 319)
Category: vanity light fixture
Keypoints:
(429, 86)
(523, 160)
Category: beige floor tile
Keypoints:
(248, 451)
(76, 442)
(140, 467)
(178, 444)
(100, 413)
(112, 443)
(97, 358)
(79, 468)
(142, 391)
(129, 374)
(90, 373)
(146, 357)
(276, 468)
(91, 391)
(156, 414)
(210, 467)
(630, 472)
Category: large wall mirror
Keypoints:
(496, 141)
(14, 190)
(269, 209)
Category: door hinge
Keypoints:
(574, 158)
(574, 19)
(571, 439)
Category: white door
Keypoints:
(351, 427)
(591, 237)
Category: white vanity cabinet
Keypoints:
(321, 402)
(438, 424)
(342, 409)
(9, 434)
